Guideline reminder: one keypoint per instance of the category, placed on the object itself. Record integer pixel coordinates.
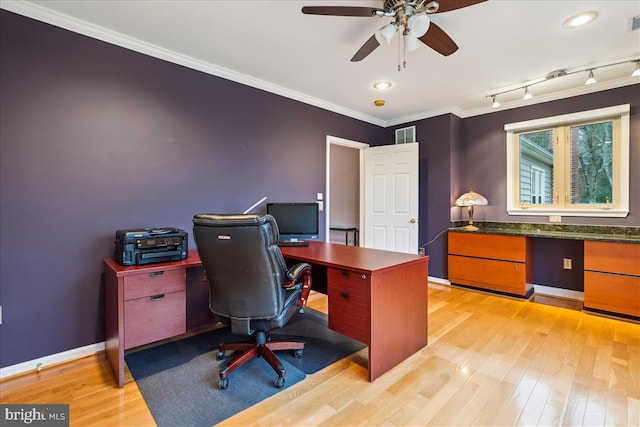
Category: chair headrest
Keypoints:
(231, 219)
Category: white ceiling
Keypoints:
(273, 46)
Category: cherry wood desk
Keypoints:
(376, 297)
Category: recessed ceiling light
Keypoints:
(580, 19)
(382, 85)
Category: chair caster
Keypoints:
(279, 382)
(223, 383)
(298, 353)
(220, 355)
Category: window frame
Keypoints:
(619, 206)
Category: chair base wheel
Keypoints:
(279, 382)
(223, 383)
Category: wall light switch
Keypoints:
(319, 196)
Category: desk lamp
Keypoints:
(471, 199)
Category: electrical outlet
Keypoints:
(420, 251)
(555, 218)
(566, 263)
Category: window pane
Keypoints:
(536, 167)
(591, 176)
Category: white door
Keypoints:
(391, 198)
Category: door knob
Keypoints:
(413, 220)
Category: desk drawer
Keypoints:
(349, 281)
(349, 304)
(149, 284)
(153, 318)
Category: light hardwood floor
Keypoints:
(491, 360)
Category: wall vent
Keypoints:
(406, 135)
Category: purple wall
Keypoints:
(457, 155)
(484, 154)
(95, 138)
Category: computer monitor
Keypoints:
(296, 220)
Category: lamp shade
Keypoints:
(411, 43)
(385, 34)
(471, 199)
(419, 24)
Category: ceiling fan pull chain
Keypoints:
(399, 50)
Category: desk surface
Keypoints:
(356, 258)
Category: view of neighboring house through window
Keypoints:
(576, 164)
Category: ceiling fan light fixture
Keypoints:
(527, 94)
(411, 43)
(636, 72)
(419, 24)
(385, 34)
(591, 79)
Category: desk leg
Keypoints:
(398, 318)
(114, 324)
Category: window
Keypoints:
(406, 135)
(573, 165)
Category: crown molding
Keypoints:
(49, 16)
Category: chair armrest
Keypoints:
(299, 274)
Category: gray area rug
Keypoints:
(179, 379)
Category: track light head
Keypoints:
(591, 79)
(527, 94)
(636, 72)
(495, 103)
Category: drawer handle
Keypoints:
(346, 272)
(156, 274)
(156, 297)
(345, 294)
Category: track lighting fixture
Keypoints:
(561, 73)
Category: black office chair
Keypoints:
(250, 288)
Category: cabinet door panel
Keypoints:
(503, 276)
(349, 314)
(509, 248)
(612, 257)
(612, 292)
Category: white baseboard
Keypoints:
(52, 359)
(439, 281)
(558, 292)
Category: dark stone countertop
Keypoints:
(554, 231)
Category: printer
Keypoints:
(151, 245)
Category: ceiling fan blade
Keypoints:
(340, 10)
(447, 5)
(438, 40)
(368, 47)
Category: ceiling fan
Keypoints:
(409, 16)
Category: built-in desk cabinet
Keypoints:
(493, 262)
(612, 277)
